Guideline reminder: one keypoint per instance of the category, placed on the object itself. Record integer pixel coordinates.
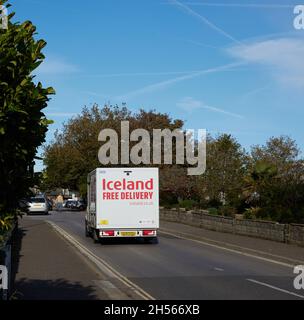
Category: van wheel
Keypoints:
(95, 236)
(87, 231)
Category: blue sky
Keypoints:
(226, 66)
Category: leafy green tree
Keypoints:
(222, 182)
(74, 151)
(275, 185)
(279, 151)
(23, 125)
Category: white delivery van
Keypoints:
(123, 202)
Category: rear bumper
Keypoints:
(127, 233)
(37, 210)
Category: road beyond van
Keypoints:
(123, 202)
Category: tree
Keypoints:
(23, 125)
(276, 178)
(279, 151)
(74, 151)
(222, 182)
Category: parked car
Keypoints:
(76, 205)
(65, 202)
(50, 204)
(38, 205)
(23, 204)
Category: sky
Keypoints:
(232, 67)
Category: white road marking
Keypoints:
(111, 290)
(218, 269)
(101, 264)
(276, 288)
(230, 250)
(296, 262)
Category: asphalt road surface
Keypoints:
(178, 268)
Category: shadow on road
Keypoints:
(59, 289)
(121, 241)
(19, 233)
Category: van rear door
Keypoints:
(127, 198)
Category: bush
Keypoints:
(23, 125)
(227, 211)
(251, 213)
(213, 211)
(169, 206)
(214, 203)
(168, 199)
(7, 223)
(241, 205)
(279, 214)
(187, 204)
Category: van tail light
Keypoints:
(109, 233)
(149, 232)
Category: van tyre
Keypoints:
(87, 231)
(95, 236)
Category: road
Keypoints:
(178, 268)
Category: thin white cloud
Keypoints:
(203, 19)
(242, 5)
(61, 114)
(55, 65)
(255, 91)
(216, 132)
(283, 58)
(163, 84)
(139, 74)
(198, 43)
(190, 104)
(97, 94)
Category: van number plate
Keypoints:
(128, 233)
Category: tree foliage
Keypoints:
(223, 180)
(74, 151)
(266, 184)
(276, 178)
(23, 125)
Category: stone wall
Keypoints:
(289, 233)
(296, 234)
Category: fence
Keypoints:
(288, 233)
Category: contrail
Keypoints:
(222, 111)
(139, 74)
(203, 19)
(242, 5)
(255, 91)
(163, 84)
(189, 104)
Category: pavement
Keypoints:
(188, 263)
(49, 268)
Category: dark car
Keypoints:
(76, 205)
(50, 204)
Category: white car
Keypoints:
(38, 205)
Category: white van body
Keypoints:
(123, 202)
